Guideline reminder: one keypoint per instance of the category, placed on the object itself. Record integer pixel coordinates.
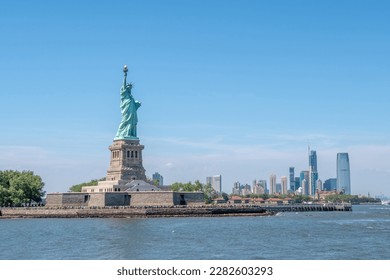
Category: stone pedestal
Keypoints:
(126, 161)
(125, 167)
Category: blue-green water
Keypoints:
(363, 233)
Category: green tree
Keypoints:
(339, 198)
(225, 196)
(4, 196)
(17, 188)
(209, 192)
(354, 199)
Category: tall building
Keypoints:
(304, 186)
(313, 176)
(156, 177)
(330, 184)
(319, 185)
(312, 183)
(283, 181)
(272, 184)
(292, 178)
(343, 173)
(246, 189)
(263, 183)
(304, 175)
(257, 188)
(278, 188)
(236, 188)
(215, 182)
(297, 183)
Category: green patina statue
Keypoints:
(129, 106)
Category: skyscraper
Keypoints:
(272, 184)
(343, 173)
(292, 178)
(319, 185)
(297, 183)
(278, 188)
(304, 179)
(304, 186)
(312, 182)
(263, 183)
(313, 176)
(215, 182)
(236, 188)
(283, 181)
(257, 188)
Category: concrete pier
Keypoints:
(309, 207)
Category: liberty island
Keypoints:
(125, 183)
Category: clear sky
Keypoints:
(237, 88)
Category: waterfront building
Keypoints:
(156, 177)
(215, 182)
(283, 182)
(343, 173)
(292, 178)
(272, 184)
(330, 184)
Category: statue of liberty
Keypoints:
(129, 106)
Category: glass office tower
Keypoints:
(313, 172)
(343, 173)
(292, 178)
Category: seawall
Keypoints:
(134, 212)
(145, 212)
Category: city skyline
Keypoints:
(237, 89)
(291, 184)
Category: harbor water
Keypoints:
(363, 233)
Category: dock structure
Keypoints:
(309, 207)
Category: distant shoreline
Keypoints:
(159, 212)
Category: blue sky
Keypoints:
(237, 88)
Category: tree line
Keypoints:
(93, 182)
(18, 188)
(208, 191)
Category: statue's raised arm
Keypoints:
(125, 76)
